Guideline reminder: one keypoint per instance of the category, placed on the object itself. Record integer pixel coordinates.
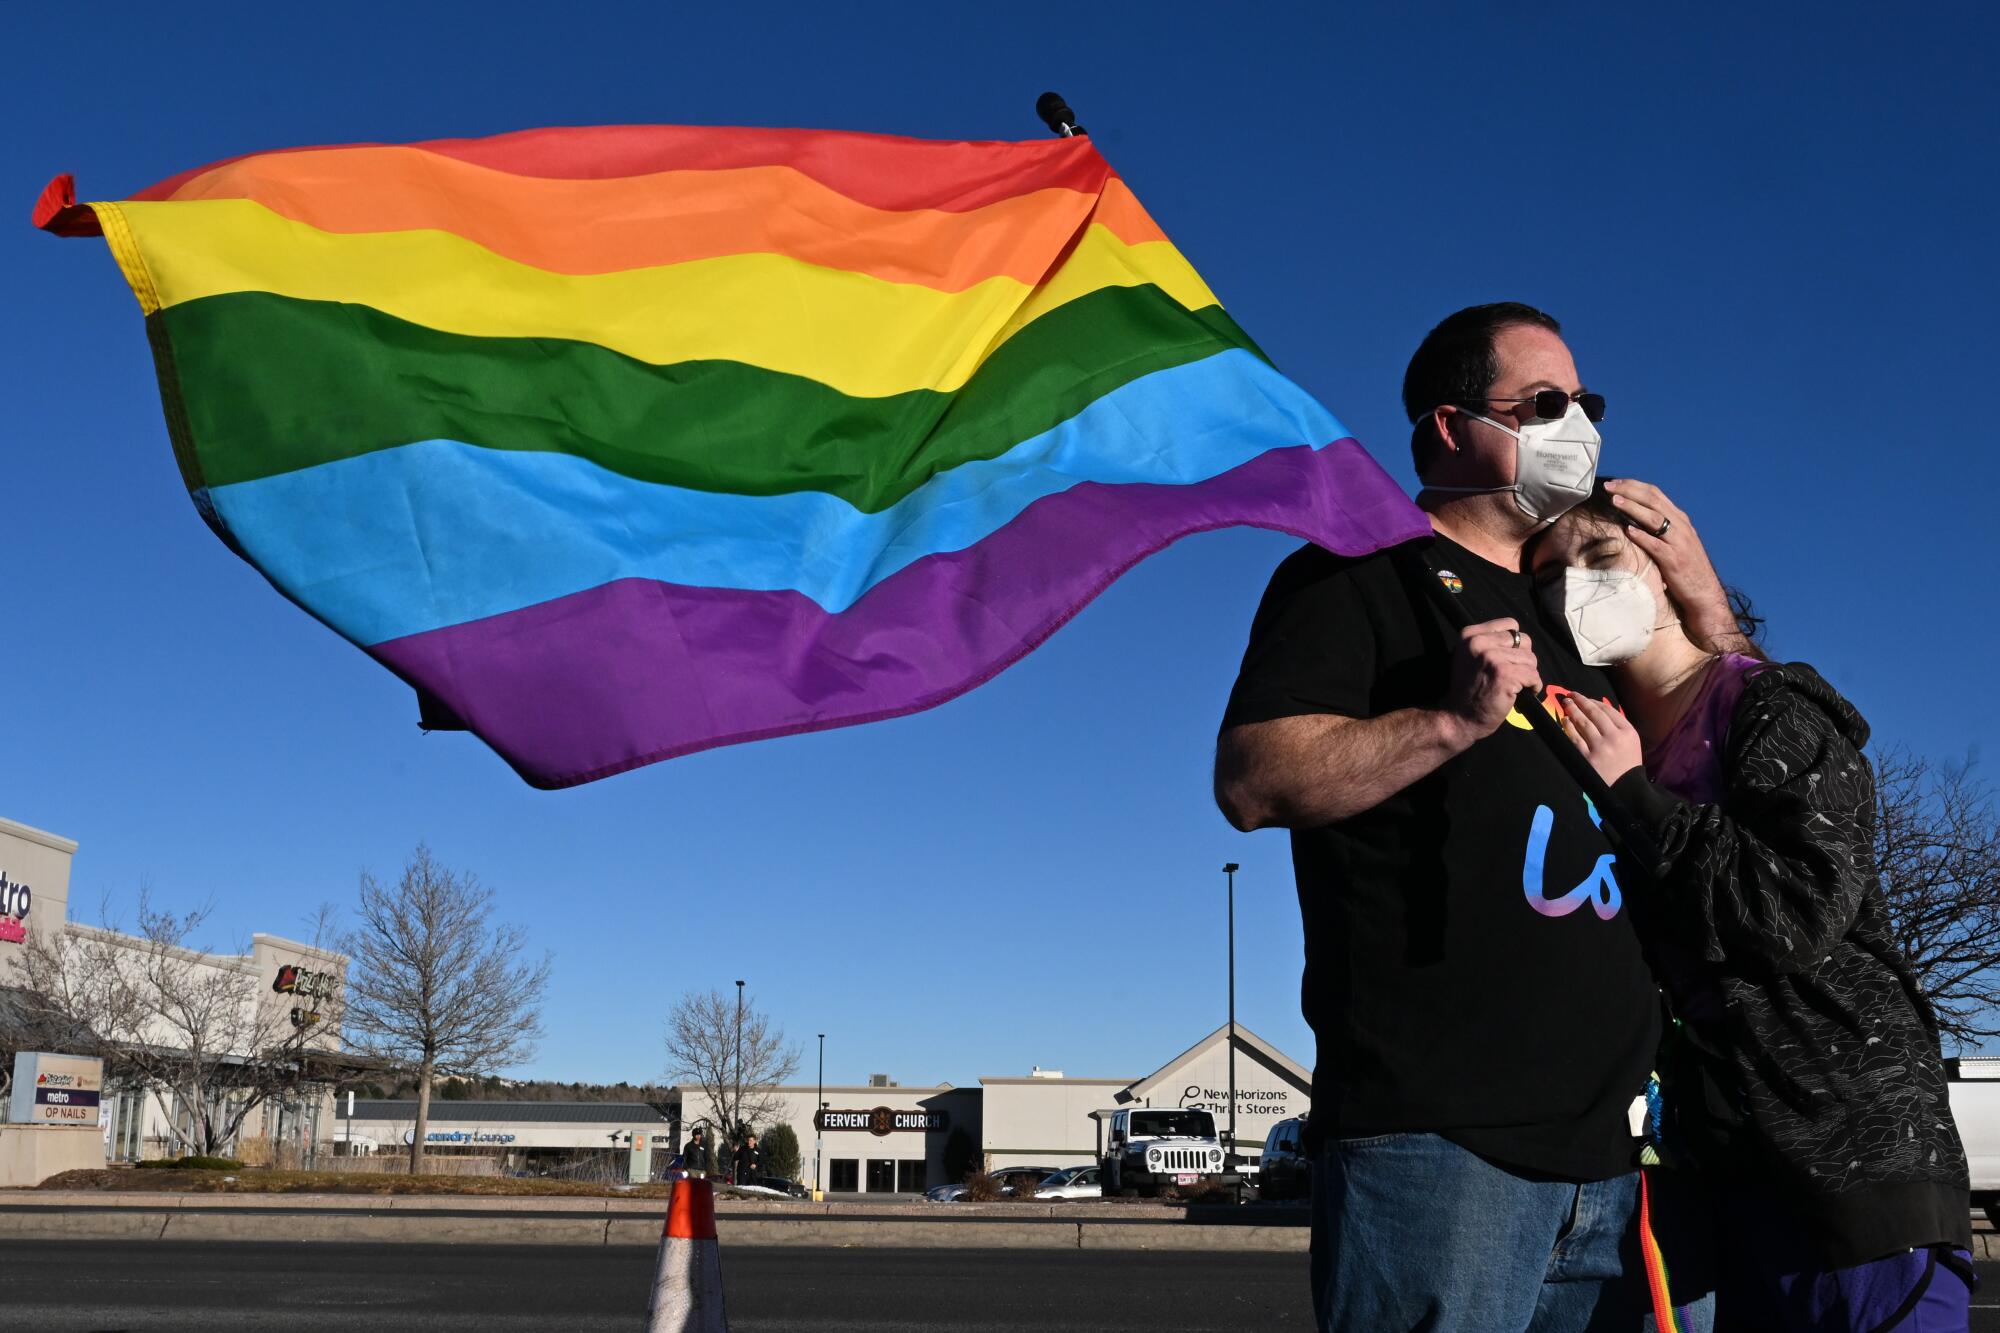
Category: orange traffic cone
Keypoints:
(687, 1285)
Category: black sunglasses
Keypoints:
(1553, 404)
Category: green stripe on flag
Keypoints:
(273, 385)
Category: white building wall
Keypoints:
(259, 1015)
(1043, 1121)
(137, 1125)
(39, 862)
(447, 1133)
(1267, 1091)
(1047, 1121)
(320, 969)
(914, 1158)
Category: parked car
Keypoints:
(1011, 1178)
(1284, 1172)
(1151, 1148)
(1073, 1182)
(790, 1189)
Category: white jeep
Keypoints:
(1148, 1149)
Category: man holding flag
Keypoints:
(1484, 1017)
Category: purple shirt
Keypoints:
(1688, 762)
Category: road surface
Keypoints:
(168, 1287)
(195, 1287)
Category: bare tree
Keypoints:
(738, 1075)
(1937, 849)
(49, 1001)
(436, 985)
(40, 1012)
(195, 1029)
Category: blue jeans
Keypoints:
(1412, 1232)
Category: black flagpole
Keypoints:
(1055, 114)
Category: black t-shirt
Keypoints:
(1470, 968)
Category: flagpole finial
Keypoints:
(1055, 113)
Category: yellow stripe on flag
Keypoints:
(859, 334)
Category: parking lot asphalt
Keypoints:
(164, 1287)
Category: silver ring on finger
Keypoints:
(1517, 637)
(1665, 523)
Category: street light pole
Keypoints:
(736, 1110)
(819, 1110)
(1229, 1154)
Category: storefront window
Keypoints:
(881, 1176)
(843, 1175)
(912, 1177)
(128, 1114)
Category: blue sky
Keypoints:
(1770, 243)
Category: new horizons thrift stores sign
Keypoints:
(56, 1090)
(881, 1121)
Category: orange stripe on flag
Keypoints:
(608, 226)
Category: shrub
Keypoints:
(981, 1187)
(1022, 1183)
(191, 1164)
(781, 1152)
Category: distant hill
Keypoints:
(492, 1089)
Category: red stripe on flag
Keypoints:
(879, 170)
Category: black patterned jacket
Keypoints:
(1821, 1075)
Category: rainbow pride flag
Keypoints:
(623, 442)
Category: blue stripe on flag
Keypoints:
(438, 532)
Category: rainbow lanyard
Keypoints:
(1656, 1263)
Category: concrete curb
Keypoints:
(196, 1220)
(615, 1205)
(341, 1203)
(443, 1220)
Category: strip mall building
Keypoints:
(875, 1138)
(888, 1138)
(276, 975)
(882, 1137)
(521, 1135)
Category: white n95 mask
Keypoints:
(1555, 464)
(1611, 613)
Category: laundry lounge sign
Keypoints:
(882, 1121)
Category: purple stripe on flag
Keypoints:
(636, 671)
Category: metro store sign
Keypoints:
(15, 901)
(56, 1089)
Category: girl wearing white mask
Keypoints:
(1802, 1081)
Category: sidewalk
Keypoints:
(488, 1220)
(491, 1220)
